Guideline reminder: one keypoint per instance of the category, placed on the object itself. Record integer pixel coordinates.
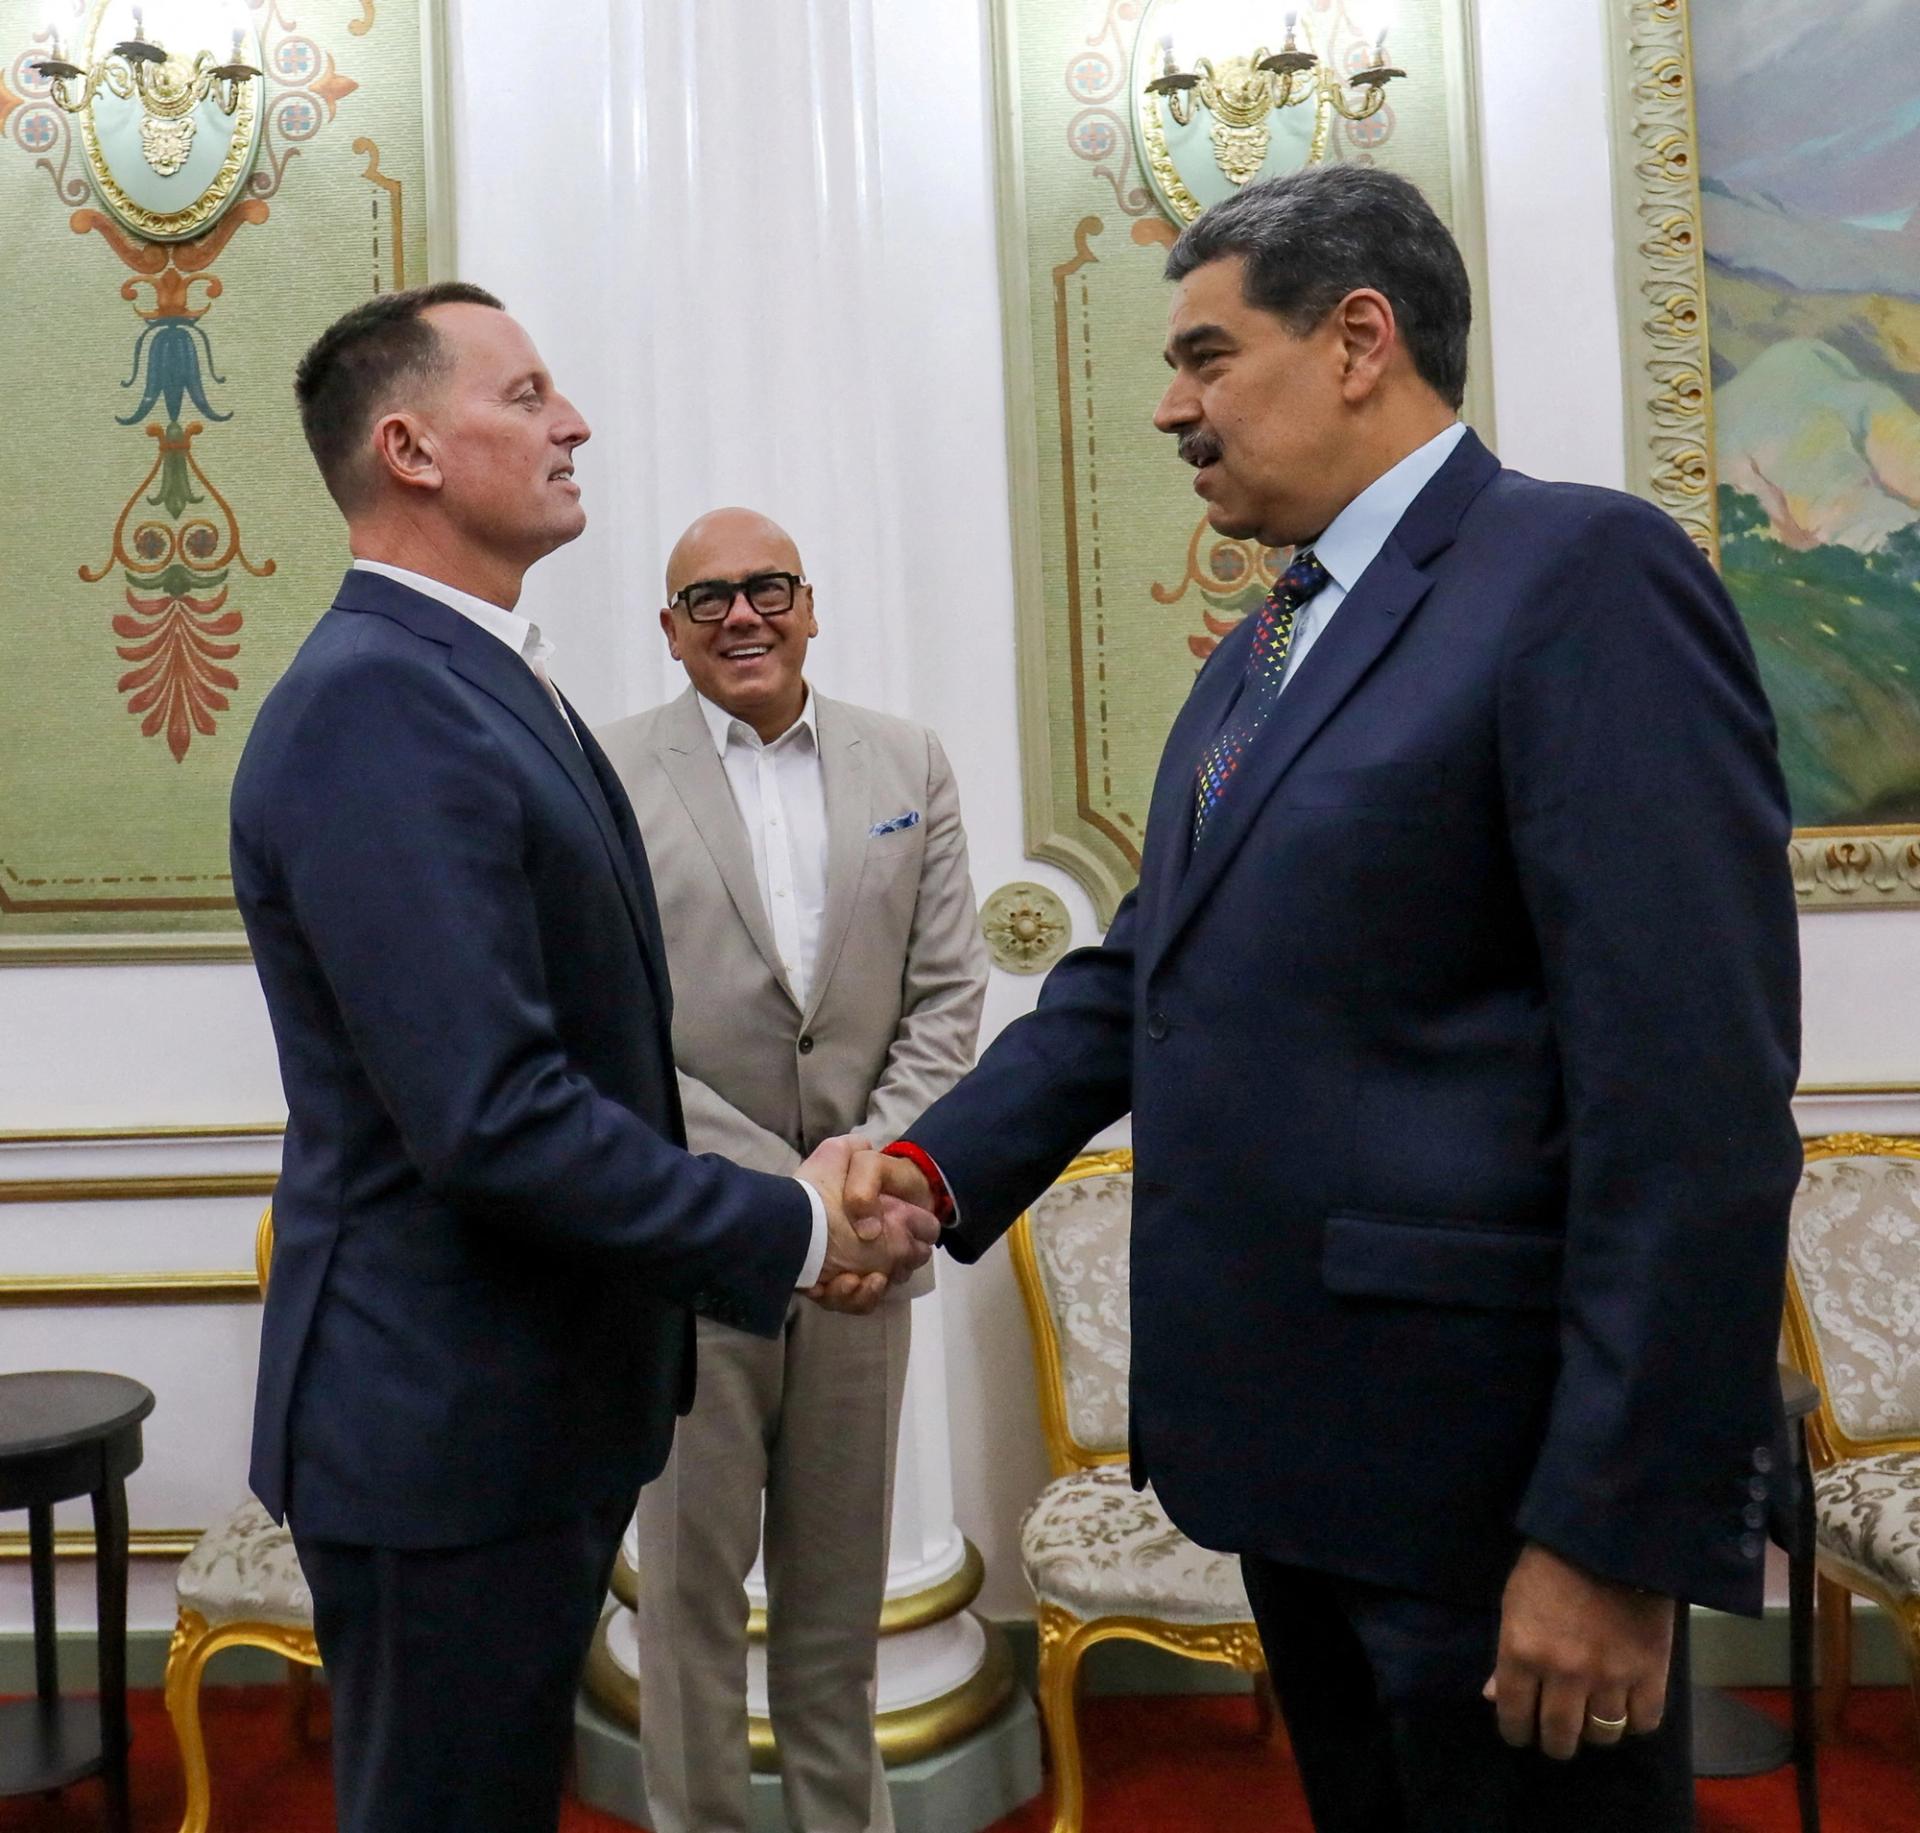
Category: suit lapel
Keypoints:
(1164, 857)
(652, 936)
(1372, 615)
(692, 765)
(847, 779)
(481, 658)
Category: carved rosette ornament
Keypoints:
(1027, 927)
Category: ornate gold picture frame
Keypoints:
(1753, 264)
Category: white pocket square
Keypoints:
(910, 819)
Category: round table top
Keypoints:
(59, 1408)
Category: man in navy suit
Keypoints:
(490, 1240)
(1456, 1010)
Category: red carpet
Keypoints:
(1188, 1765)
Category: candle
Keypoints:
(139, 29)
(1167, 66)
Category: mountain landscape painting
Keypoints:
(1809, 138)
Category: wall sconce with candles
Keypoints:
(142, 105)
(1233, 100)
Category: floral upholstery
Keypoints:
(1867, 1516)
(1080, 1237)
(244, 1571)
(1856, 1258)
(1097, 1548)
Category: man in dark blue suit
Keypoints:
(490, 1239)
(1457, 1014)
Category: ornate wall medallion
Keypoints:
(1223, 93)
(169, 127)
(1027, 927)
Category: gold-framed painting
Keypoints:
(193, 190)
(1118, 120)
(1769, 238)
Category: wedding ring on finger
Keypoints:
(1611, 1727)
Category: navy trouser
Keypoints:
(452, 1673)
(1381, 1694)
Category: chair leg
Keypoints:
(300, 1701)
(1834, 1615)
(1060, 1651)
(186, 1661)
(1266, 1708)
(1909, 1621)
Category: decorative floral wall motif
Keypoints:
(194, 521)
(1123, 586)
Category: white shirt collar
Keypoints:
(724, 727)
(520, 634)
(1357, 534)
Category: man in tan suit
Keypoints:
(828, 977)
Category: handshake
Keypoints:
(880, 1229)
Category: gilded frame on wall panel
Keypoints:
(105, 945)
(1661, 231)
(1089, 630)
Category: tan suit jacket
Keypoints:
(900, 973)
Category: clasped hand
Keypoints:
(876, 1237)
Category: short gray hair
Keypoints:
(1310, 238)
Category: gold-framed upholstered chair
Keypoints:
(1853, 1326)
(1104, 1561)
(240, 1587)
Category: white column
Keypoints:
(702, 240)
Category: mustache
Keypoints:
(1198, 448)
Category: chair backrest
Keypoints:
(263, 1248)
(1853, 1292)
(1070, 1253)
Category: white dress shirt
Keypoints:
(1357, 534)
(523, 637)
(782, 798)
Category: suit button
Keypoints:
(806, 1046)
(1762, 1459)
(1754, 1514)
(1757, 1488)
(1750, 1546)
(1157, 1026)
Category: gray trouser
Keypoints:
(810, 1420)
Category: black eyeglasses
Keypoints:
(708, 601)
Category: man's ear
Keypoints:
(666, 626)
(1368, 338)
(404, 447)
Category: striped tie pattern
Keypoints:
(1266, 674)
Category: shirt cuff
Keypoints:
(817, 1252)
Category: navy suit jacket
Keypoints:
(489, 1236)
(1460, 1054)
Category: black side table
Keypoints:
(64, 1435)
(1729, 1737)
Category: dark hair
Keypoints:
(1310, 238)
(355, 367)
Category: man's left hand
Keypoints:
(1578, 1656)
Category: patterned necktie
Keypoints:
(1266, 675)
